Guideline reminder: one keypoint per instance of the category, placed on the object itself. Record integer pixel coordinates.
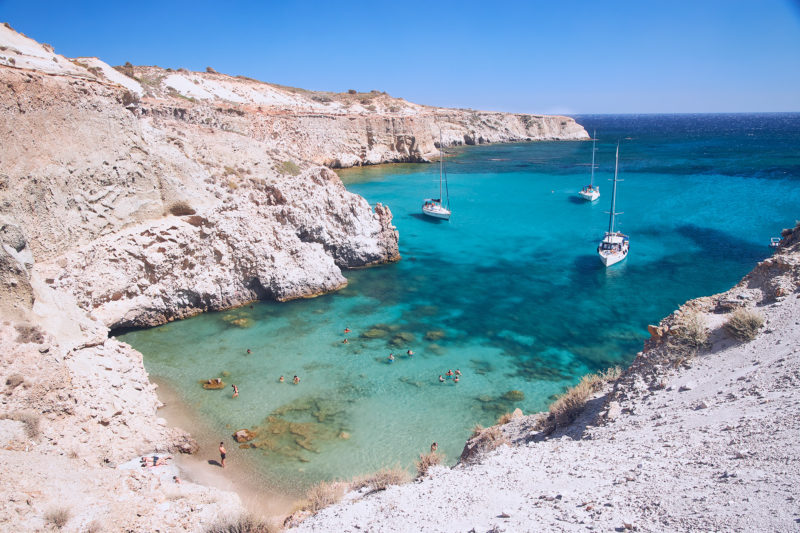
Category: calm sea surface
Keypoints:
(509, 291)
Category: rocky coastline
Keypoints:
(133, 196)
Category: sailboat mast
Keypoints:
(441, 164)
(614, 194)
(594, 142)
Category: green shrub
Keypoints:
(289, 167)
(743, 324)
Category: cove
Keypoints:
(509, 291)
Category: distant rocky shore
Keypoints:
(133, 196)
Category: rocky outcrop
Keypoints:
(286, 239)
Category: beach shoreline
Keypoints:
(238, 476)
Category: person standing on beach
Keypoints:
(222, 454)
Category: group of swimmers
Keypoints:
(450, 374)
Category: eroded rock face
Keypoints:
(16, 260)
(246, 249)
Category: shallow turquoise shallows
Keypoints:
(510, 291)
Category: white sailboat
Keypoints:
(591, 192)
(614, 246)
(434, 207)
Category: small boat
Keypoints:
(614, 246)
(591, 192)
(774, 242)
(433, 207)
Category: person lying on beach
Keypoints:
(155, 460)
(176, 479)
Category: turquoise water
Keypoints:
(509, 291)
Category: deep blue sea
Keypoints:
(509, 291)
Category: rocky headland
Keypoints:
(132, 196)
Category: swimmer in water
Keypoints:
(449, 373)
(410, 353)
(235, 391)
(295, 380)
(280, 379)
(391, 358)
(458, 372)
(347, 330)
(248, 351)
(434, 447)
(344, 341)
(455, 379)
(441, 379)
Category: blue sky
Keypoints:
(570, 56)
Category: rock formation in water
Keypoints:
(138, 195)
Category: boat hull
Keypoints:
(612, 259)
(440, 213)
(589, 196)
(613, 248)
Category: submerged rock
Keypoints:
(244, 435)
(434, 335)
(514, 396)
(375, 333)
